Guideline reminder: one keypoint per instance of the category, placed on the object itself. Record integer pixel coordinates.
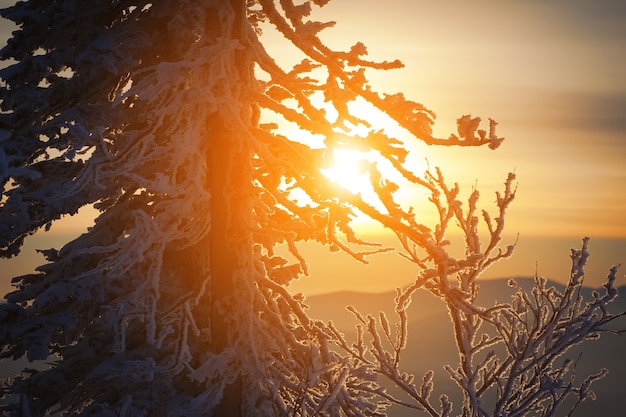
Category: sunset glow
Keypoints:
(550, 73)
(348, 169)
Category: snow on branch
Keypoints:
(514, 358)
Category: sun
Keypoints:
(354, 168)
(349, 170)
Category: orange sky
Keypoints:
(551, 73)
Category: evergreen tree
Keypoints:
(175, 302)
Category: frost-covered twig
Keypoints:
(509, 351)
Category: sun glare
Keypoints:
(349, 169)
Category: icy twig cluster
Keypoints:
(512, 356)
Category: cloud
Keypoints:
(595, 19)
(595, 112)
(589, 112)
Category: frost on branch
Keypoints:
(514, 358)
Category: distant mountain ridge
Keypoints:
(331, 306)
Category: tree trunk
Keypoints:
(230, 178)
(224, 253)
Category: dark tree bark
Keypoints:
(223, 254)
(230, 177)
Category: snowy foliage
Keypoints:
(513, 357)
(175, 302)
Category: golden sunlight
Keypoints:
(347, 165)
(349, 169)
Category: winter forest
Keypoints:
(210, 165)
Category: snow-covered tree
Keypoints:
(166, 116)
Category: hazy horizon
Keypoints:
(330, 272)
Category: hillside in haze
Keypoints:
(431, 344)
